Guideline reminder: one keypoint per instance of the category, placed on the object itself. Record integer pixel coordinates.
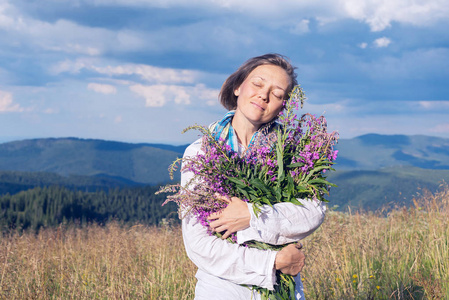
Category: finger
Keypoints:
(220, 229)
(214, 216)
(215, 224)
(298, 245)
(223, 198)
(226, 235)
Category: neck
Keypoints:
(243, 129)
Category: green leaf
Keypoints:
(315, 170)
(291, 185)
(237, 181)
(244, 192)
(280, 158)
(319, 180)
(260, 185)
(295, 201)
(300, 188)
(256, 209)
(291, 287)
(252, 192)
(266, 201)
(278, 194)
(323, 190)
(295, 165)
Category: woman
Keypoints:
(254, 96)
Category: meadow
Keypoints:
(399, 254)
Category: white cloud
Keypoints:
(6, 21)
(164, 83)
(159, 95)
(363, 45)
(440, 128)
(7, 104)
(150, 73)
(198, 36)
(425, 104)
(379, 14)
(301, 27)
(54, 36)
(102, 88)
(50, 111)
(118, 119)
(70, 66)
(74, 38)
(81, 49)
(147, 73)
(416, 65)
(382, 42)
(64, 35)
(201, 92)
(438, 105)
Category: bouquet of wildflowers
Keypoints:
(282, 165)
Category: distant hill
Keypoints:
(375, 151)
(383, 188)
(12, 182)
(372, 170)
(140, 163)
(375, 170)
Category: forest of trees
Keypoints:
(53, 205)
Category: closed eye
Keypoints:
(279, 96)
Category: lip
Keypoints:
(258, 106)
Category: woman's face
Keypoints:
(260, 96)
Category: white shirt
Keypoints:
(224, 267)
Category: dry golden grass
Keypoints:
(364, 256)
(112, 262)
(352, 256)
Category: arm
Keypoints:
(240, 265)
(283, 223)
(220, 258)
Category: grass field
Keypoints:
(352, 256)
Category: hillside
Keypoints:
(13, 182)
(372, 170)
(141, 163)
(147, 163)
(374, 151)
(383, 188)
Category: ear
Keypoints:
(237, 92)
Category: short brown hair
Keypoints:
(227, 97)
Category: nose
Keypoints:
(263, 94)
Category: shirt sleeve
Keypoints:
(235, 263)
(283, 222)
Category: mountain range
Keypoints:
(371, 170)
(139, 163)
(375, 151)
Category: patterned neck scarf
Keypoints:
(223, 130)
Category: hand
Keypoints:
(290, 260)
(233, 218)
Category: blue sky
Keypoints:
(142, 70)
